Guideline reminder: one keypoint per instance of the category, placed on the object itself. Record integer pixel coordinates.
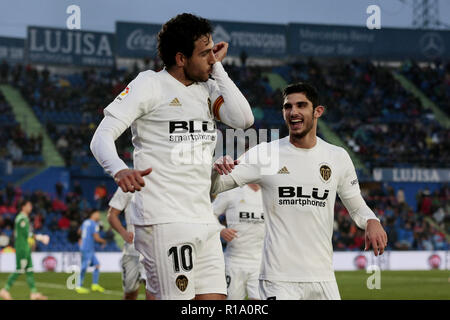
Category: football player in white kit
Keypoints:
(299, 199)
(243, 210)
(172, 115)
(133, 273)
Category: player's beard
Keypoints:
(195, 77)
(308, 127)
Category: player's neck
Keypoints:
(306, 142)
(179, 74)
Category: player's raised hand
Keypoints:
(375, 237)
(220, 50)
(225, 165)
(228, 234)
(130, 180)
(128, 237)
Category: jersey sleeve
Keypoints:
(228, 104)
(249, 168)
(137, 99)
(216, 99)
(120, 199)
(348, 185)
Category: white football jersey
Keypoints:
(121, 201)
(243, 211)
(299, 202)
(174, 132)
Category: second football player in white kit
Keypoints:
(243, 210)
(299, 197)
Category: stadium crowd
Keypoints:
(433, 80)
(16, 145)
(385, 125)
(421, 228)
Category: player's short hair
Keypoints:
(91, 212)
(22, 203)
(301, 87)
(179, 34)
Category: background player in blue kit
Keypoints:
(89, 235)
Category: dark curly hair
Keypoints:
(179, 34)
(301, 87)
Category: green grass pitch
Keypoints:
(401, 285)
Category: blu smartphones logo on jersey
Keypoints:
(251, 217)
(181, 131)
(290, 195)
(194, 142)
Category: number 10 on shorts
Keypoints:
(181, 256)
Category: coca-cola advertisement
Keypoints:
(137, 40)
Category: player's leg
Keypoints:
(130, 276)
(253, 284)
(168, 252)
(21, 264)
(96, 275)
(85, 260)
(210, 264)
(279, 290)
(34, 295)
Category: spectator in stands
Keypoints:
(59, 188)
(425, 203)
(100, 197)
(405, 237)
(425, 242)
(73, 235)
(77, 189)
(64, 222)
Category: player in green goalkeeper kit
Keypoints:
(24, 263)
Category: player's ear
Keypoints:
(318, 111)
(180, 59)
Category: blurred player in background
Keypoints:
(299, 201)
(23, 235)
(243, 210)
(89, 235)
(172, 115)
(133, 272)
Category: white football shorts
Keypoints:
(242, 281)
(181, 260)
(133, 273)
(283, 290)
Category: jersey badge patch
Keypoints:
(182, 282)
(325, 172)
(123, 94)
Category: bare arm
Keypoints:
(99, 239)
(113, 219)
